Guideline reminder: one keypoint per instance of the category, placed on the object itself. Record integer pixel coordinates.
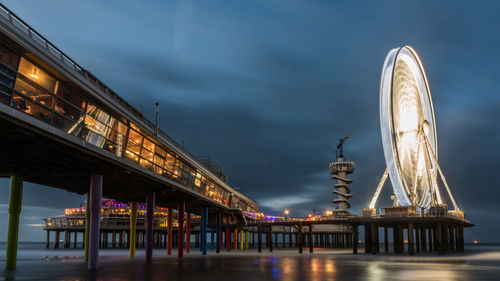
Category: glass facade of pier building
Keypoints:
(35, 91)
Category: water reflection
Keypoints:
(286, 266)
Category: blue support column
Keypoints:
(204, 231)
(202, 224)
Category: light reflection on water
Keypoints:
(284, 265)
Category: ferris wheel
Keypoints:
(408, 131)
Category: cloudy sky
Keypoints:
(268, 87)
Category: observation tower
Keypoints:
(339, 170)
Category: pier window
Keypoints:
(38, 76)
(159, 160)
(39, 94)
(8, 67)
(95, 130)
(134, 144)
(116, 136)
(69, 110)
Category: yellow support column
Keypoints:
(241, 239)
(133, 224)
(246, 240)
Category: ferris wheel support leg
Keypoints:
(379, 188)
(455, 206)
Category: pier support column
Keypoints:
(169, 230)
(461, 241)
(133, 224)
(228, 234)
(355, 239)
(395, 240)
(15, 204)
(242, 240)
(87, 228)
(301, 238)
(246, 240)
(432, 241)
(203, 233)
(235, 238)
(95, 220)
(56, 240)
(386, 240)
(368, 239)
(48, 239)
(180, 232)
(452, 238)
(259, 237)
(75, 236)
(218, 230)
(311, 244)
(150, 207)
(439, 239)
(375, 243)
(411, 244)
(66, 239)
(423, 240)
(290, 242)
(270, 239)
(418, 247)
(212, 239)
(188, 234)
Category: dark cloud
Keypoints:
(268, 88)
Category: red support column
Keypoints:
(228, 235)
(180, 232)
(188, 231)
(169, 230)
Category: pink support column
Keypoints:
(169, 237)
(150, 203)
(95, 220)
(180, 232)
(188, 232)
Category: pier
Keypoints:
(67, 129)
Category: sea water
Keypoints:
(35, 262)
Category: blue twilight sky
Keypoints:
(268, 87)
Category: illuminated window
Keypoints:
(31, 108)
(38, 76)
(197, 180)
(34, 92)
(134, 142)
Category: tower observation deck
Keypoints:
(339, 170)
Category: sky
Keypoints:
(268, 87)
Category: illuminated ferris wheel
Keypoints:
(409, 132)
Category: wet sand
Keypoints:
(282, 264)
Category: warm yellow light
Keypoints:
(286, 212)
(476, 242)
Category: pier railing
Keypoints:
(115, 223)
